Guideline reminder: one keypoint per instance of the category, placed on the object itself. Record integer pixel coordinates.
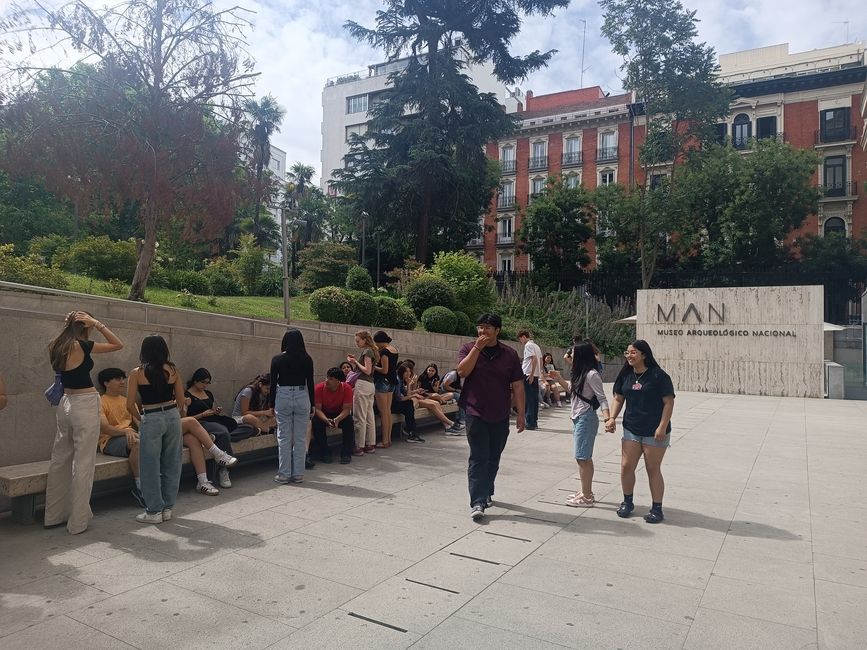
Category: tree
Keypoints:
(266, 116)
(154, 122)
(420, 170)
(742, 208)
(674, 81)
(558, 223)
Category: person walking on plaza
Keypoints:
(362, 400)
(532, 368)
(156, 397)
(648, 393)
(73, 455)
(292, 401)
(491, 373)
(588, 395)
(332, 401)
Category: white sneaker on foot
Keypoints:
(207, 488)
(225, 460)
(148, 518)
(223, 478)
(167, 514)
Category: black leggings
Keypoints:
(407, 410)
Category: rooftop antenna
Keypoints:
(584, 42)
(846, 23)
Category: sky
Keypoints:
(298, 45)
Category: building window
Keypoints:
(742, 131)
(656, 180)
(507, 159)
(572, 181)
(507, 195)
(572, 151)
(355, 129)
(607, 146)
(766, 127)
(607, 177)
(356, 104)
(539, 155)
(834, 125)
(835, 176)
(504, 231)
(537, 186)
(835, 225)
(505, 265)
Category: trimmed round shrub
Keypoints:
(463, 324)
(331, 304)
(393, 314)
(429, 291)
(358, 279)
(192, 281)
(101, 258)
(363, 306)
(439, 319)
(222, 278)
(406, 319)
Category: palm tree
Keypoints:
(265, 118)
(300, 177)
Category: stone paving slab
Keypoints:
(763, 546)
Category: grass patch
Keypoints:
(264, 307)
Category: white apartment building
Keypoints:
(346, 99)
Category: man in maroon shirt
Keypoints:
(491, 373)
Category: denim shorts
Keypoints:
(117, 446)
(647, 441)
(382, 385)
(584, 429)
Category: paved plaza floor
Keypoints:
(764, 546)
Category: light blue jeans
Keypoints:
(160, 456)
(292, 408)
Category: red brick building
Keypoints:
(812, 100)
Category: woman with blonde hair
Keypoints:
(362, 399)
(73, 456)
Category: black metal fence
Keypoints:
(842, 293)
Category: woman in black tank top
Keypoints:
(73, 456)
(155, 388)
(385, 382)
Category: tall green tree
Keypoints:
(157, 121)
(265, 116)
(421, 170)
(557, 225)
(674, 81)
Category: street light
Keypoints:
(364, 218)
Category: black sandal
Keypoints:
(654, 517)
(625, 509)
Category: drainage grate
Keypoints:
(373, 620)
(520, 539)
(425, 584)
(477, 559)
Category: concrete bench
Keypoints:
(24, 483)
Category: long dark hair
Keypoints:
(154, 358)
(427, 382)
(642, 346)
(257, 400)
(200, 375)
(293, 344)
(583, 361)
(61, 347)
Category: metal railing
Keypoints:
(828, 135)
(505, 201)
(606, 154)
(503, 238)
(509, 166)
(538, 162)
(572, 158)
(847, 188)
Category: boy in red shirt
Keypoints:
(333, 408)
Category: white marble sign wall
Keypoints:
(744, 340)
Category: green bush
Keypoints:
(429, 291)
(468, 278)
(271, 282)
(159, 277)
(222, 278)
(393, 314)
(406, 319)
(358, 279)
(325, 264)
(117, 287)
(331, 304)
(100, 258)
(363, 307)
(249, 264)
(193, 281)
(438, 319)
(46, 247)
(463, 324)
(28, 270)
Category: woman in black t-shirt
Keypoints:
(648, 394)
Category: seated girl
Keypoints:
(196, 439)
(407, 399)
(552, 380)
(251, 405)
(201, 406)
(431, 385)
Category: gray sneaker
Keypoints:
(282, 480)
(149, 518)
(453, 431)
(489, 502)
(223, 478)
(413, 437)
(477, 512)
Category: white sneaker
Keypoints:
(223, 477)
(207, 488)
(148, 518)
(225, 460)
(167, 514)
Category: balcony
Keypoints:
(843, 190)
(503, 238)
(606, 154)
(535, 195)
(538, 162)
(505, 201)
(508, 166)
(476, 242)
(831, 136)
(742, 144)
(573, 158)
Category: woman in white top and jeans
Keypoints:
(587, 396)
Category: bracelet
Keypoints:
(477, 348)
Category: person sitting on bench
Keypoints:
(117, 436)
(333, 408)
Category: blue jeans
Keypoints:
(160, 456)
(584, 429)
(292, 408)
(531, 402)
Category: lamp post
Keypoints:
(364, 218)
(377, 257)
(284, 253)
